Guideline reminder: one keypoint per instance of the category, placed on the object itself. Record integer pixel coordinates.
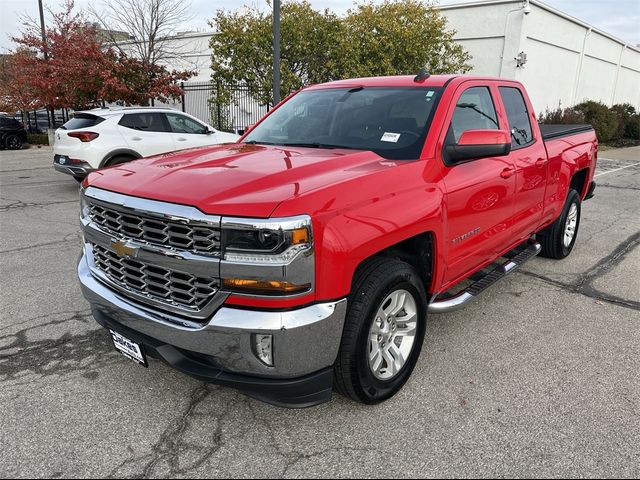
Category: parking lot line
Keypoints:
(615, 169)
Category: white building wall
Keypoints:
(188, 51)
(568, 61)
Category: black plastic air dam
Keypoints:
(302, 392)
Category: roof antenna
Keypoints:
(422, 76)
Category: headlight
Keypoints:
(271, 257)
(268, 241)
(84, 205)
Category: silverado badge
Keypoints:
(123, 250)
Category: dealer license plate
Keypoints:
(128, 348)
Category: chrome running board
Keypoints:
(450, 304)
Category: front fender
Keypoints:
(348, 239)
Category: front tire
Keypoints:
(559, 238)
(13, 142)
(383, 331)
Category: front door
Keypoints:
(480, 193)
(187, 133)
(146, 133)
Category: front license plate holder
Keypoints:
(130, 349)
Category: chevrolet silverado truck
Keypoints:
(308, 255)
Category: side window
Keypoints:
(474, 111)
(518, 115)
(146, 122)
(182, 124)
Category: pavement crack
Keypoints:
(617, 187)
(67, 238)
(68, 354)
(174, 454)
(584, 285)
(74, 315)
(15, 204)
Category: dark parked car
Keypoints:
(12, 133)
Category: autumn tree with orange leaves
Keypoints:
(79, 71)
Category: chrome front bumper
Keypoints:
(305, 340)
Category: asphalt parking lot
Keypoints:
(540, 377)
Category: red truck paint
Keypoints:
(361, 204)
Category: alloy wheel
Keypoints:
(392, 334)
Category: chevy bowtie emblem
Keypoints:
(123, 250)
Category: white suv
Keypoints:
(105, 137)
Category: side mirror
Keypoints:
(475, 144)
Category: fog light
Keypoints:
(264, 348)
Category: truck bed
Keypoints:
(550, 131)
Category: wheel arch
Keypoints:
(118, 152)
(579, 181)
(419, 251)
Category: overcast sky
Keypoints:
(620, 18)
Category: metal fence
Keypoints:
(199, 100)
(38, 121)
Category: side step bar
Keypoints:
(456, 302)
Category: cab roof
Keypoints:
(390, 81)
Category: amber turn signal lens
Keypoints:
(299, 235)
(272, 287)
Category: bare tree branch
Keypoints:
(150, 24)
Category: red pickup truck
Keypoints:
(309, 254)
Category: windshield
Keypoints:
(393, 122)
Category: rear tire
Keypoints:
(387, 307)
(118, 160)
(13, 142)
(559, 238)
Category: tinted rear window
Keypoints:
(147, 122)
(82, 120)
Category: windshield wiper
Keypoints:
(475, 108)
(317, 145)
(255, 142)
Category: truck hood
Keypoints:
(236, 179)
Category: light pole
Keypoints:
(45, 51)
(276, 52)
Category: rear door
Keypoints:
(530, 158)
(480, 193)
(188, 132)
(147, 133)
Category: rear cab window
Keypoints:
(474, 110)
(146, 122)
(518, 116)
(82, 120)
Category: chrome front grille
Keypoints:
(200, 239)
(177, 288)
